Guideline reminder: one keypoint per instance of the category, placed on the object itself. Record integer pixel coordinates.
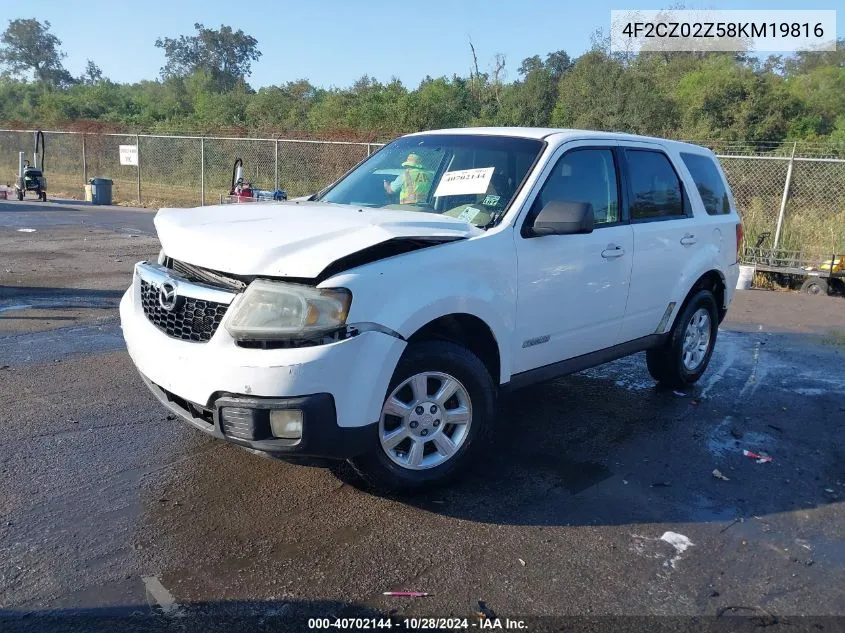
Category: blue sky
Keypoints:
(332, 43)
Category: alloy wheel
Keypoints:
(425, 420)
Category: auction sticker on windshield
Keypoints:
(464, 182)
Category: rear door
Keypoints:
(665, 236)
(720, 219)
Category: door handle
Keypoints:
(613, 251)
(689, 239)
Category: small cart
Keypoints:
(822, 272)
(31, 177)
(262, 196)
(243, 191)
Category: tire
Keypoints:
(43, 196)
(20, 196)
(420, 460)
(815, 286)
(683, 359)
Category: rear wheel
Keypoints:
(683, 359)
(439, 407)
(815, 286)
(20, 195)
(43, 196)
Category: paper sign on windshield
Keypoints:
(465, 182)
(468, 214)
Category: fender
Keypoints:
(706, 259)
(406, 292)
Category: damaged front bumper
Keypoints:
(340, 385)
(245, 421)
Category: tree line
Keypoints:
(204, 87)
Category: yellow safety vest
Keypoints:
(416, 184)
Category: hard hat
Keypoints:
(413, 160)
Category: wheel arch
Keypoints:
(714, 281)
(467, 330)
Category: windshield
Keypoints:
(473, 178)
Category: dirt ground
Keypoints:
(597, 500)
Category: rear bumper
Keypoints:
(321, 436)
(731, 278)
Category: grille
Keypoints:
(191, 319)
(205, 276)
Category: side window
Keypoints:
(709, 183)
(584, 175)
(655, 187)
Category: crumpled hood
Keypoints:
(292, 239)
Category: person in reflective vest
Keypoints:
(413, 184)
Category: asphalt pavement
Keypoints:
(16, 215)
(596, 500)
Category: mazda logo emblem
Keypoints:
(167, 296)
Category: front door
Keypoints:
(572, 289)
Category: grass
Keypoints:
(809, 229)
(836, 338)
(157, 193)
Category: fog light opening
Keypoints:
(286, 424)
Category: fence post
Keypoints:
(369, 151)
(786, 186)
(202, 171)
(138, 145)
(276, 185)
(84, 161)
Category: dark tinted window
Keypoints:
(709, 183)
(584, 175)
(655, 187)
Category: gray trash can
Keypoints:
(100, 190)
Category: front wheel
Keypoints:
(440, 406)
(682, 360)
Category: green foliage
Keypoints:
(367, 105)
(203, 88)
(92, 73)
(224, 55)
(284, 107)
(29, 49)
(602, 92)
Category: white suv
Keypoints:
(378, 320)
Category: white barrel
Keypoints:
(746, 277)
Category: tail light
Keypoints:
(740, 234)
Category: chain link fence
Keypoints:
(798, 201)
(180, 170)
(799, 187)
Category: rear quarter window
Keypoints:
(708, 181)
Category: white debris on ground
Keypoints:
(26, 230)
(646, 546)
(680, 542)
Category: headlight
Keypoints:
(273, 310)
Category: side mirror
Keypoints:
(561, 217)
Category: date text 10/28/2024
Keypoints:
(417, 624)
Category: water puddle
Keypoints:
(572, 475)
(61, 302)
(41, 347)
(721, 442)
